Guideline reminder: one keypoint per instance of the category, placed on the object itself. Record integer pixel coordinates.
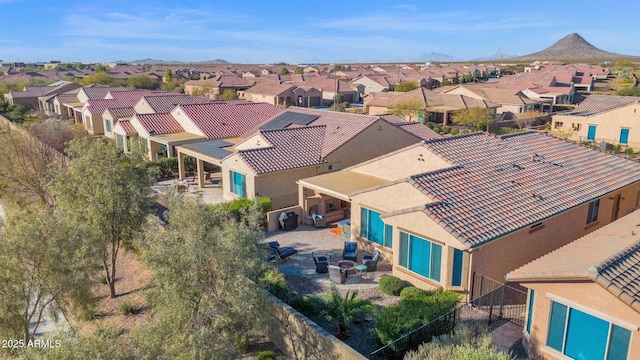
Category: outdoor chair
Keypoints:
(336, 274)
(350, 250)
(321, 263)
(371, 261)
(280, 253)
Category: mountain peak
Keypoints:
(571, 47)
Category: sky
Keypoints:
(302, 32)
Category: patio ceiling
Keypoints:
(212, 151)
(177, 138)
(342, 184)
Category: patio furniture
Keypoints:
(321, 263)
(360, 270)
(336, 274)
(350, 250)
(330, 254)
(347, 266)
(280, 253)
(319, 221)
(371, 261)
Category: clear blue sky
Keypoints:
(248, 31)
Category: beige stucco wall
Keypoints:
(402, 164)
(508, 253)
(369, 85)
(254, 142)
(269, 99)
(143, 107)
(609, 124)
(94, 126)
(376, 110)
(585, 296)
(378, 139)
(107, 116)
(185, 121)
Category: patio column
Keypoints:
(200, 166)
(180, 165)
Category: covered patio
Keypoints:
(328, 195)
(208, 156)
(164, 145)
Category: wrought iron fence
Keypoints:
(500, 301)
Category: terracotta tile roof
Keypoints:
(337, 128)
(219, 120)
(419, 130)
(166, 103)
(127, 127)
(163, 123)
(269, 88)
(610, 256)
(122, 112)
(594, 104)
(290, 149)
(497, 185)
(432, 99)
(100, 91)
(97, 106)
(68, 97)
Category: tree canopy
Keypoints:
(409, 110)
(229, 94)
(479, 118)
(106, 192)
(405, 86)
(142, 81)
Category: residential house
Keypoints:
(602, 118)
(584, 298)
(509, 100)
(215, 87)
(270, 92)
(438, 107)
(301, 142)
(30, 96)
(112, 115)
(447, 208)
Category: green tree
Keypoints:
(142, 81)
(405, 86)
(17, 112)
(410, 110)
(104, 190)
(629, 91)
(79, 65)
(98, 77)
(26, 167)
(168, 76)
(479, 118)
(299, 70)
(147, 67)
(284, 71)
(101, 68)
(229, 94)
(342, 310)
(42, 266)
(202, 265)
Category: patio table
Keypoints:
(330, 254)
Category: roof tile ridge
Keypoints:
(635, 247)
(312, 127)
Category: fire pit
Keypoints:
(347, 265)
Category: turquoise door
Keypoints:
(591, 135)
(624, 136)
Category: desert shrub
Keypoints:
(413, 293)
(391, 285)
(275, 283)
(629, 151)
(455, 131)
(437, 129)
(617, 148)
(266, 355)
(128, 308)
(168, 166)
(303, 305)
(418, 308)
(238, 207)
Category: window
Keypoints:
(420, 256)
(579, 335)
(532, 295)
(238, 184)
(592, 215)
(576, 126)
(624, 136)
(374, 229)
(558, 124)
(120, 141)
(456, 271)
(107, 123)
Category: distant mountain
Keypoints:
(171, 62)
(494, 57)
(438, 57)
(571, 47)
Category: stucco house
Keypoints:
(215, 87)
(439, 107)
(32, 97)
(608, 118)
(584, 298)
(270, 92)
(300, 143)
(509, 100)
(447, 208)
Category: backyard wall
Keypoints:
(272, 216)
(301, 338)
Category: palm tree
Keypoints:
(342, 310)
(275, 283)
